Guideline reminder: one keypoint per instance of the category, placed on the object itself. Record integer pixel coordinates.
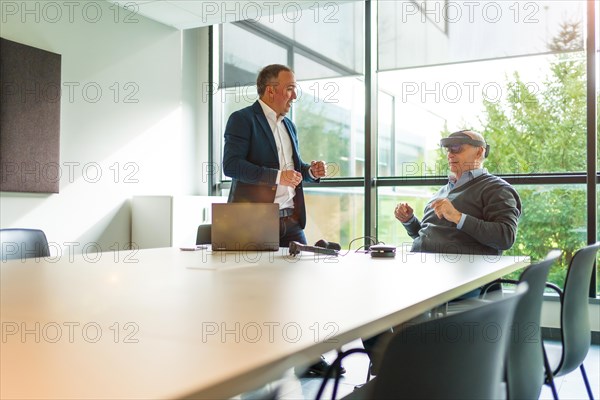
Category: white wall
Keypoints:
(126, 127)
(551, 315)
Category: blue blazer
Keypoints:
(250, 159)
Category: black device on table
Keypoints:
(321, 247)
(382, 250)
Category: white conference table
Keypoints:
(165, 323)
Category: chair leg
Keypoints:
(553, 387)
(549, 374)
(335, 368)
(587, 382)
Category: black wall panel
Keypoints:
(30, 88)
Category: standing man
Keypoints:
(261, 153)
(475, 213)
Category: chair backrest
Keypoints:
(203, 235)
(574, 315)
(524, 370)
(22, 243)
(460, 356)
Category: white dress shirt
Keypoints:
(284, 194)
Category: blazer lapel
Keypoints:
(293, 138)
(264, 124)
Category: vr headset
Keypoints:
(460, 138)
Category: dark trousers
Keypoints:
(290, 231)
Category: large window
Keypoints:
(534, 103)
(515, 71)
(329, 111)
(332, 215)
(460, 65)
(329, 116)
(241, 60)
(389, 229)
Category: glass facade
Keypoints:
(566, 229)
(329, 116)
(241, 61)
(440, 66)
(389, 229)
(413, 34)
(535, 103)
(332, 214)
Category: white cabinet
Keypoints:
(167, 221)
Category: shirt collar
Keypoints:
(270, 113)
(466, 177)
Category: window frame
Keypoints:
(370, 182)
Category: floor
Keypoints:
(570, 387)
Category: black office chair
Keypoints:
(524, 372)
(17, 243)
(459, 356)
(574, 319)
(203, 234)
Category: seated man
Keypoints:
(474, 213)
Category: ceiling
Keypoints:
(186, 14)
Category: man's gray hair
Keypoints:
(267, 75)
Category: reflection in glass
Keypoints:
(416, 34)
(305, 68)
(245, 54)
(335, 215)
(332, 29)
(329, 115)
(531, 111)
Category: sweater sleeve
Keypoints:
(498, 227)
(412, 227)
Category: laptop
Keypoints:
(245, 226)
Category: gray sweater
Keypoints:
(492, 207)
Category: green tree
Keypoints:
(321, 137)
(324, 134)
(543, 129)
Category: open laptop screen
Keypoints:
(245, 226)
